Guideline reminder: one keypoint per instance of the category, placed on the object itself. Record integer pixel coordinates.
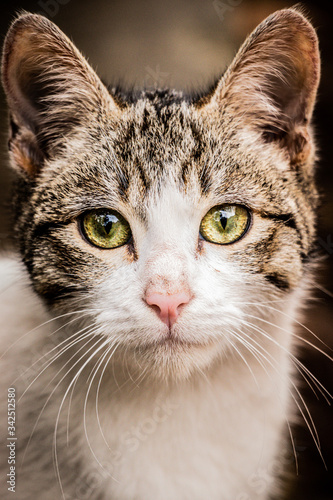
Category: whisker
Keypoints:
(69, 341)
(300, 324)
(292, 396)
(289, 353)
(64, 398)
(255, 352)
(324, 290)
(242, 357)
(72, 392)
(312, 427)
(40, 326)
(96, 406)
(53, 391)
(57, 356)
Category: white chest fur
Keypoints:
(214, 439)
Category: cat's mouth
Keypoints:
(176, 341)
(175, 356)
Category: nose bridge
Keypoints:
(169, 241)
(166, 271)
(165, 257)
(167, 289)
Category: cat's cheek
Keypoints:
(284, 267)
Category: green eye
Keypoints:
(225, 224)
(105, 228)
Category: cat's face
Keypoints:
(171, 222)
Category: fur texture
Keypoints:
(114, 404)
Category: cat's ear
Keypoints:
(271, 85)
(50, 87)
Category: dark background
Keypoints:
(185, 44)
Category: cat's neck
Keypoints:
(146, 424)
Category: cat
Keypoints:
(164, 254)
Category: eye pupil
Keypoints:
(223, 220)
(107, 224)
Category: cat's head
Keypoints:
(173, 222)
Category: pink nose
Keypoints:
(167, 306)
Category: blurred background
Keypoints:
(185, 44)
